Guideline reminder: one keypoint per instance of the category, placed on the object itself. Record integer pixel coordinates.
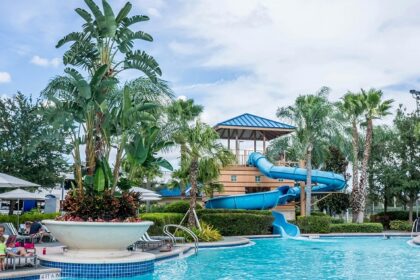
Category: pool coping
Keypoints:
(28, 273)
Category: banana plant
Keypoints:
(106, 37)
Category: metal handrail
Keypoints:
(187, 230)
(415, 225)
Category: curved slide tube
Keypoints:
(327, 182)
(282, 227)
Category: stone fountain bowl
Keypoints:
(97, 239)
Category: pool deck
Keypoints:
(178, 250)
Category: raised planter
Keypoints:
(96, 239)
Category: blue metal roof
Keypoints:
(249, 120)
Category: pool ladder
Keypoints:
(187, 230)
(415, 227)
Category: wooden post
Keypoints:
(237, 146)
(302, 192)
(255, 141)
(264, 139)
(229, 139)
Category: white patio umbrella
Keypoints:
(7, 181)
(19, 194)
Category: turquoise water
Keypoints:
(339, 258)
(329, 258)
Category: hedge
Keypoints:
(181, 206)
(230, 224)
(29, 216)
(314, 224)
(386, 218)
(161, 219)
(400, 225)
(352, 227)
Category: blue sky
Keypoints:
(236, 56)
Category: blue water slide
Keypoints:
(282, 227)
(326, 182)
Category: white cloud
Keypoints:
(45, 62)
(287, 48)
(5, 77)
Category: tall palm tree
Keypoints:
(352, 108)
(374, 108)
(204, 157)
(180, 114)
(311, 115)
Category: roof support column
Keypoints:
(237, 146)
(228, 139)
(255, 141)
(263, 141)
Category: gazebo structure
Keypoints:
(248, 127)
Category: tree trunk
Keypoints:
(355, 169)
(308, 189)
(410, 209)
(193, 193)
(118, 161)
(363, 175)
(385, 204)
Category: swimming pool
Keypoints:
(329, 258)
(276, 258)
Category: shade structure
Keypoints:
(7, 181)
(21, 195)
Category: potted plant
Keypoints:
(108, 119)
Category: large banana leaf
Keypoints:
(99, 179)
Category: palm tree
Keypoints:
(374, 108)
(204, 157)
(311, 115)
(352, 108)
(180, 113)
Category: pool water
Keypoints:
(338, 258)
(275, 258)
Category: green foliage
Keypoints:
(28, 216)
(386, 218)
(230, 224)
(337, 221)
(335, 203)
(314, 224)
(29, 148)
(160, 220)
(400, 225)
(181, 206)
(353, 227)
(207, 233)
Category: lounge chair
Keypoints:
(146, 242)
(14, 258)
(11, 230)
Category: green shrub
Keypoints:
(400, 225)
(351, 227)
(337, 221)
(207, 234)
(314, 224)
(28, 216)
(233, 211)
(161, 219)
(181, 206)
(386, 218)
(239, 223)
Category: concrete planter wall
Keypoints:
(96, 239)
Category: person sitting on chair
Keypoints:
(37, 231)
(10, 245)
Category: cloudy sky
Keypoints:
(236, 56)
